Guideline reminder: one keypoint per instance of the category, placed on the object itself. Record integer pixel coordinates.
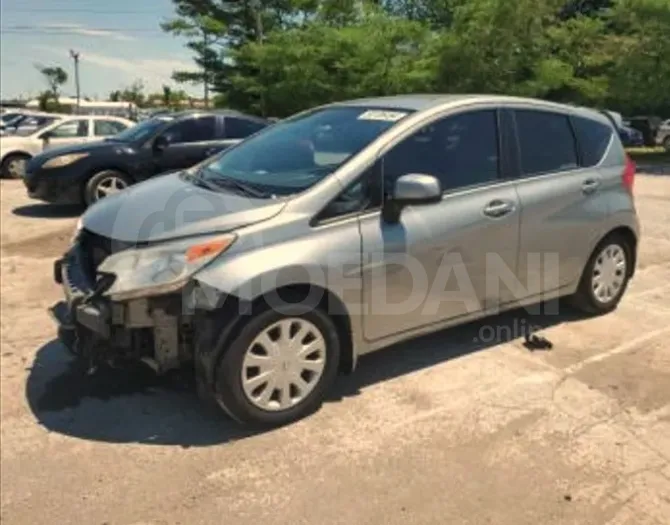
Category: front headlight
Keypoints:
(64, 160)
(161, 269)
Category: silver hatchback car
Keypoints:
(346, 228)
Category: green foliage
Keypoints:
(55, 77)
(276, 57)
(48, 103)
(133, 93)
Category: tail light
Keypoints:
(628, 176)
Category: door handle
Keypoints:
(498, 208)
(590, 185)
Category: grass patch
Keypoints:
(649, 155)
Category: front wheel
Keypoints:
(14, 166)
(605, 277)
(279, 367)
(105, 183)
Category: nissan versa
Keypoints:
(338, 231)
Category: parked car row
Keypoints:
(663, 135)
(54, 131)
(266, 266)
(83, 173)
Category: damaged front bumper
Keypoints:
(155, 330)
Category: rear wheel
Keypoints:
(279, 366)
(605, 277)
(14, 166)
(104, 184)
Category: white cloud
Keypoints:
(79, 29)
(154, 72)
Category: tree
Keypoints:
(277, 57)
(55, 77)
(303, 67)
(640, 76)
(133, 93)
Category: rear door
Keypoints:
(560, 192)
(191, 140)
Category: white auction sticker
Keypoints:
(377, 114)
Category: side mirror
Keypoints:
(411, 189)
(160, 143)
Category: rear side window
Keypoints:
(237, 128)
(594, 138)
(546, 142)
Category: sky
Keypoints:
(119, 42)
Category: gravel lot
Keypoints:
(446, 430)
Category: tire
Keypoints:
(8, 170)
(94, 191)
(230, 393)
(587, 299)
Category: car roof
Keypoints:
(203, 112)
(427, 102)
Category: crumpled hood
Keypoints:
(169, 207)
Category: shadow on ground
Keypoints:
(48, 211)
(134, 405)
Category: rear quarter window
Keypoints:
(546, 142)
(594, 138)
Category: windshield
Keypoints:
(33, 124)
(141, 131)
(8, 117)
(293, 155)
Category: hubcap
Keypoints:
(109, 186)
(609, 273)
(16, 167)
(283, 365)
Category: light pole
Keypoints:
(75, 56)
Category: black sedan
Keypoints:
(83, 174)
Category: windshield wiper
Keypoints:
(241, 186)
(199, 181)
(222, 181)
(216, 184)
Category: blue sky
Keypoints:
(119, 42)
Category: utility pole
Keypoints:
(75, 56)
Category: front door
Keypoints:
(74, 131)
(189, 141)
(434, 264)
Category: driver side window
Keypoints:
(460, 150)
(201, 129)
